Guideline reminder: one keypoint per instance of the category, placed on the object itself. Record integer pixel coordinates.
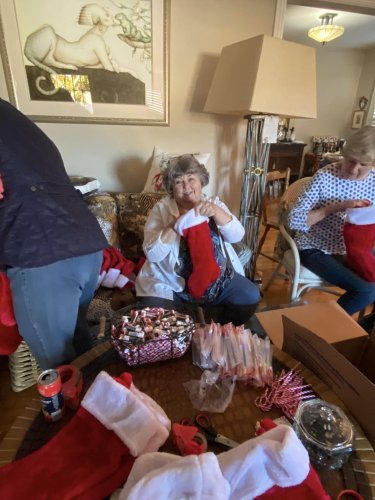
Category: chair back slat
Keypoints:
(277, 184)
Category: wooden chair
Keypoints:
(276, 184)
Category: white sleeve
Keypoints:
(233, 231)
(158, 238)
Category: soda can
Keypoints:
(50, 388)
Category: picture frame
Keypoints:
(358, 117)
(104, 62)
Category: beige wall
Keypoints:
(366, 85)
(119, 155)
(338, 75)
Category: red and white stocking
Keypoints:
(196, 232)
(94, 453)
(272, 466)
(359, 236)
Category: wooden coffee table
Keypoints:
(164, 383)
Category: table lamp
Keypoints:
(262, 78)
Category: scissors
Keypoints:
(204, 424)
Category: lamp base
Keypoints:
(254, 178)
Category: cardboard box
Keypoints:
(354, 389)
(327, 320)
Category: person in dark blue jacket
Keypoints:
(51, 245)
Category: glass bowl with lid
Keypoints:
(325, 431)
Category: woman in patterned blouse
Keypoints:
(319, 215)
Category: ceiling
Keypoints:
(359, 28)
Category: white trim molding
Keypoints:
(279, 20)
(360, 6)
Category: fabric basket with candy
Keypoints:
(152, 334)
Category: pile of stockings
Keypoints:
(114, 437)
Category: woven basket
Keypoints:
(24, 369)
(165, 347)
(154, 350)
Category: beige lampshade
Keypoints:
(264, 75)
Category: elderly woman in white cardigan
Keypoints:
(187, 243)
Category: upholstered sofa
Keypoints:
(122, 217)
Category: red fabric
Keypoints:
(124, 379)
(114, 259)
(84, 461)
(205, 268)
(10, 338)
(139, 264)
(310, 489)
(359, 242)
(264, 425)
(183, 438)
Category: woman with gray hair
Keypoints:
(187, 243)
(319, 216)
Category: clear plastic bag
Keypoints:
(199, 358)
(211, 393)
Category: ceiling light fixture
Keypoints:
(326, 31)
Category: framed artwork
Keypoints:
(82, 62)
(358, 119)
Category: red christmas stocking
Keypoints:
(359, 236)
(89, 458)
(272, 466)
(309, 489)
(194, 228)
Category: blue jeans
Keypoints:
(50, 303)
(239, 291)
(236, 303)
(359, 293)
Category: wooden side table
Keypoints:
(284, 155)
(164, 383)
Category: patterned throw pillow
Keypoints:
(154, 183)
(132, 212)
(103, 206)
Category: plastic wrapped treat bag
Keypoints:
(211, 393)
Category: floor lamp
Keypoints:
(262, 78)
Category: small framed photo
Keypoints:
(358, 119)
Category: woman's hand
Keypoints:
(206, 207)
(319, 214)
(355, 204)
(210, 209)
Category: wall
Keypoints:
(338, 75)
(120, 155)
(366, 85)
